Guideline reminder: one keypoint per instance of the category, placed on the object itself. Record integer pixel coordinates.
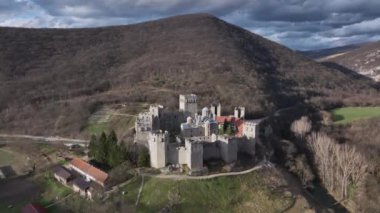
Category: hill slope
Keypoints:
(52, 80)
(317, 54)
(362, 58)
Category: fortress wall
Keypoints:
(194, 155)
(211, 151)
(142, 138)
(182, 152)
(172, 154)
(177, 154)
(246, 145)
(228, 150)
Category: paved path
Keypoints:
(205, 177)
(140, 190)
(44, 139)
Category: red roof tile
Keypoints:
(237, 121)
(92, 171)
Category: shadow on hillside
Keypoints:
(8, 171)
(350, 73)
(338, 118)
(323, 196)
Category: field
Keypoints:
(348, 114)
(39, 187)
(246, 193)
(118, 118)
(6, 158)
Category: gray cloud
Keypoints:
(299, 24)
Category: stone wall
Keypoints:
(211, 150)
(246, 145)
(176, 154)
(229, 150)
(194, 155)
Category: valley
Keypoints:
(185, 114)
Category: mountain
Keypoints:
(364, 59)
(53, 80)
(317, 54)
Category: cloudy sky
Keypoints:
(299, 24)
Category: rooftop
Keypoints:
(61, 172)
(81, 183)
(236, 121)
(87, 168)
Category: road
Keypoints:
(205, 177)
(44, 139)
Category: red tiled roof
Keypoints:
(237, 121)
(92, 171)
(33, 208)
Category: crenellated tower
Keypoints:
(188, 104)
(158, 141)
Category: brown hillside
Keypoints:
(53, 79)
(365, 60)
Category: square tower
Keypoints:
(188, 104)
(157, 148)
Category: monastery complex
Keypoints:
(188, 137)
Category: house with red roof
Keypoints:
(89, 172)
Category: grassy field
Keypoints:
(348, 114)
(6, 158)
(52, 190)
(246, 193)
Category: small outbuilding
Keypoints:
(88, 171)
(82, 186)
(62, 175)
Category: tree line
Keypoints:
(108, 151)
(341, 168)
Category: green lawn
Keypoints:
(96, 128)
(246, 193)
(52, 190)
(115, 123)
(6, 158)
(348, 114)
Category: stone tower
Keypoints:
(194, 154)
(239, 112)
(155, 111)
(219, 110)
(157, 148)
(188, 104)
(216, 110)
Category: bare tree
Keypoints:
(301, 127)
(339, 166)
(324, 155)
(352, 167)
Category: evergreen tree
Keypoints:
(103, 149)
(124, 150)
(112, 138)
(225, 125)
(116, 156)
(93, 146)
(143, 158)
(229, 130)
(112, 149)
